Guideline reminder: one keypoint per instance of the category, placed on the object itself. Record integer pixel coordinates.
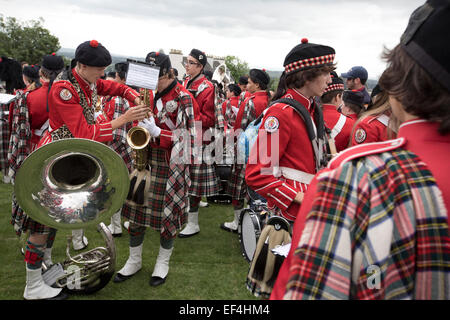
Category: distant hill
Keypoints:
(70, 54)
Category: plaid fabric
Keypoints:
(20, 140)
(4, 136)
(19, 149)
(119, 143)
(230, 116)
(311, 62)
(402, 231)
(167, 199)
(237, 187)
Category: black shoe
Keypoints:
(61, 296)
(121, 278)
(117, 235)
(187, 235)
(223, 227)
(157, 281)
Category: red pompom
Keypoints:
(93, 43)
(53, 54)
(304, 40)
(264, 70)
(157, 53)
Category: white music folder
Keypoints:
(142, 75)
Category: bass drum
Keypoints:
(250, 225)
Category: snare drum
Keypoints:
(250, 225)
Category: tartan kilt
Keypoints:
(4, 136)
(23, 223)
(151, 214)
(204, 180)
(237, 187)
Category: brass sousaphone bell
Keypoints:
(73, 184)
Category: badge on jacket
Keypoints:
(271, 124)
(65, 94)
(360, 135)
(171, 106)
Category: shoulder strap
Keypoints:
(302, 111)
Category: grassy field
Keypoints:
(208, 266)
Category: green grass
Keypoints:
(208, 266)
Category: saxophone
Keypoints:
(138, 138)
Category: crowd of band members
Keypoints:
(53, 108)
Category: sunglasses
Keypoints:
(190, 62)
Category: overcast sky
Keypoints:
(260, 32)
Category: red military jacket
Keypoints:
(65, 107)
(260, 100)
(420, 136)
(282, 130)
(340, 125)
(37, 110)
(371, 129)
(203, 91)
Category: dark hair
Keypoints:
(112, 74)
(299, 79)
(235, 89)
(329, 96)
(363, 81)
(412, 86)
(354, 107)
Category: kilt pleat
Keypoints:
(237, 186)
(151, 214)
(23, 223)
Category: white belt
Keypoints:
(44, 127)
(338, 127)
(293, 174)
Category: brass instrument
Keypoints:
(138, 138)
(73, 184)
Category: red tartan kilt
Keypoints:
(151, 214)
(4, 144)
(237, 187)
(204, 180)
(24, 222)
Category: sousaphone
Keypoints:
(74, 184)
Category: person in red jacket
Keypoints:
(71, 115)
(230, 107)
(387, 196)
(166, 202)
(204, 179)
(249, 110)
(376, 124)
(285, 156)
(339, 124)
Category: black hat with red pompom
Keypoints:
(160, 60)
(308, 55)
(53, 62)
(199, 55)
(337, 84)
(31, 71)
(92, 53)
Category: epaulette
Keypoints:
(365, 149)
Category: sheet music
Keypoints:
(6, 98)
(142, 76)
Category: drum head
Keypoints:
(249, 231)
(280, 223)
